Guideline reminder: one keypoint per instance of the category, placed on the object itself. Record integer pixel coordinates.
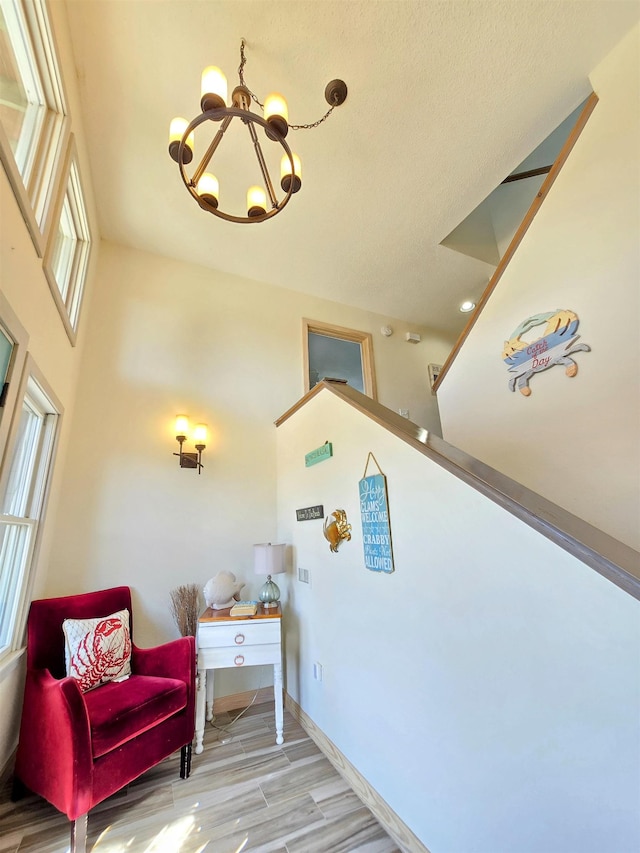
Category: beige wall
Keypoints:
(26, 289)
(576, 441)
(167, 337)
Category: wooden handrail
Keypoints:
(614, 560)
(559, 162)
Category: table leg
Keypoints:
(277, 694)
(210, 695)
(200, 694)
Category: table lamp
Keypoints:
(268, 560)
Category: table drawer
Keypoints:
(212, 658)
(239, 634)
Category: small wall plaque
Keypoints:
(308, 513)
(320, 454)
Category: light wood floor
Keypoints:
(244, 793)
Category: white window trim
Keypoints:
(30, 371)
(71, 306)
(36, 198)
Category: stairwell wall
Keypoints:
(489, 688)
(575, 441)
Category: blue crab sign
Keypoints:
(556, 345)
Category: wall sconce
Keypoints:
(190, 460)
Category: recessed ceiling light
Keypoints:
(467, 306)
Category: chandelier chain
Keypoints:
(243, 62)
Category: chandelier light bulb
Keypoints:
(276, 113)
(176, 132)
(285, 173)
(213, 89)
(209, 190)
(256, 202)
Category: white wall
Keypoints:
(26, 289)
(489, 688)
(576, 441)
(166, 337)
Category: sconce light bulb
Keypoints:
(200, 433)
(182, 424)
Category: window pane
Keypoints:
(13, 96)
(6, 351)
(16, 498)
(15, 542)
(64, 249)
(335, 358)
(22, 104)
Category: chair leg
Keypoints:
(18, 790)
(79, 834)
(185, 761)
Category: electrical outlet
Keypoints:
(304, 575)
(317, 671)
(404, 412)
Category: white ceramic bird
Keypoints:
(222, 590)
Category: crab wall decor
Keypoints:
(555, 346)
(337, 530)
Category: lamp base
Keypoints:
(269, 595)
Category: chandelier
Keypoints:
(262, 201)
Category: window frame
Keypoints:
(37, 194)
(69, 305)
(14, 330)
(365, 339)
(42, 479)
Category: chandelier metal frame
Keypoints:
(335, 94)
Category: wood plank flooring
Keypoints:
(244, 794)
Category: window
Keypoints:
(13, 349)
(33, 125)
(332, 352)
(67, 257)
(23, 491)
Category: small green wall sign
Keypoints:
(318, 455)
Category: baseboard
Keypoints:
(241, 700)
(398, 830)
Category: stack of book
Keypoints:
(244, 608)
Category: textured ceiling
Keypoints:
(445, 98)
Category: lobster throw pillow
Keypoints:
(98, 650)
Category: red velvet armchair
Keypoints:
(76, 749)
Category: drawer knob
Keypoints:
(239, 639)
(238, 660)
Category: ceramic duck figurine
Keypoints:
(222, 590)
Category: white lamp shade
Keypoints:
(268, 559)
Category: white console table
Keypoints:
(224, 641)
